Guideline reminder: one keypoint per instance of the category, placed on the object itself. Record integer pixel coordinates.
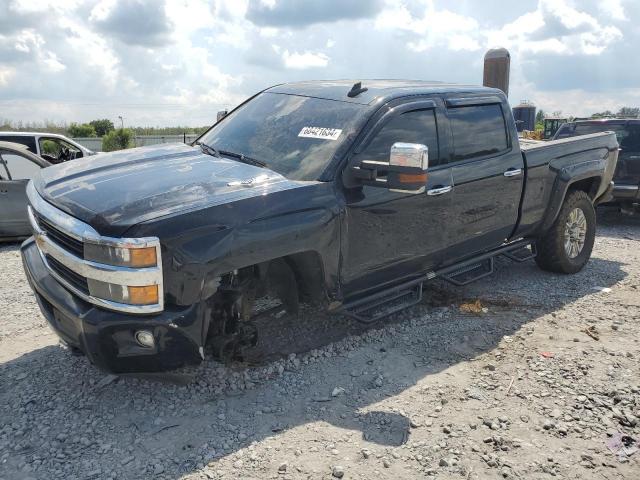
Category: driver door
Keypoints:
(390, 235)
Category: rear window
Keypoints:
(628, 134)
(29, 142)
(478, 131)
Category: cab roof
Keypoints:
(377, 90)
(33, 134)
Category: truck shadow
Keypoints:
(174, 429)
(618, 224)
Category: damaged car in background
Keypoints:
(347, 196)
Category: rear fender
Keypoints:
(585, 175)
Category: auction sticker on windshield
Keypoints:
(320, 132)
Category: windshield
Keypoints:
(293, 135)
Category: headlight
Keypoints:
(135, 257)
(127, 255)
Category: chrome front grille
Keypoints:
(69, 243)
(61, 239)
(69, 275)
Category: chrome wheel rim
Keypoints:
(575, 232)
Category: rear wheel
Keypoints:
(567, 246)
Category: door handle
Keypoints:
(513, 172)
(439, 190)
(634, 157)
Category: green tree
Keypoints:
(606, 113)
(117, 140)
(84, 130)
(102, 126)
(540, 116)
(629, 112)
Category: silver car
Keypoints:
(53, 147)
(17, 166)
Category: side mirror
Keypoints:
(405, 172)
(221, 114)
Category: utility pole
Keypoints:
(121, 122)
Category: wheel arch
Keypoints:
(589, 183)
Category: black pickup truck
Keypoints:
(327, 193)
(626, 191)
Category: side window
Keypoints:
(56, 150)
(565, 131)
(417, 126)
(478, 131)
(29, 142)
(19, 167)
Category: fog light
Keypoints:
(145, 338)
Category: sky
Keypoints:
(178, 62)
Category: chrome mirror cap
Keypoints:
(414, 155)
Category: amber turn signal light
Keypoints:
(147, 295)
(142, 257)
(412, 178)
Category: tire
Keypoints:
(566, 247)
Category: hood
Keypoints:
(113, 191)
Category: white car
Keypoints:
(52, 147)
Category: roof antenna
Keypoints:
(356, 90)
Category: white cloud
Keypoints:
(612, 8)
(40, 6)
(556, 27)
(432, 28)
(5, 75)
(301, 61)
(211, 54)
(50, 60)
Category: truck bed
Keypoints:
(532, 149)
(551, 165)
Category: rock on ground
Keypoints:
(516, 390)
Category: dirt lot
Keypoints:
(533, 384)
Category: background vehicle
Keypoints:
(551, 126)
(627, 174)
(347, 196)
(52, 147)
(17, 166)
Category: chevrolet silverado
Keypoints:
(348, 196)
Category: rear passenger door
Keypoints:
(488, 174)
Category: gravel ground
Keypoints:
(532, 382)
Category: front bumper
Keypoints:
(629, 193)
(106, 337)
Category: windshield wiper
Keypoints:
(243, 158)
(209, 150)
